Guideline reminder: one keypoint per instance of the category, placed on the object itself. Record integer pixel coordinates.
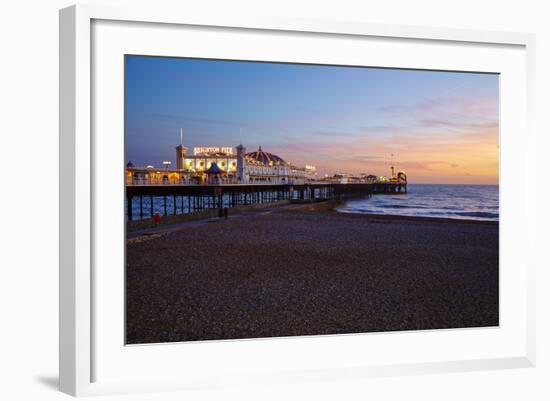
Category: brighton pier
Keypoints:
(218, 178)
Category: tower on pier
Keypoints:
(241, 162)
(181, 152)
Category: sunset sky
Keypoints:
(442, 127)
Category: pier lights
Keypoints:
(166, 164)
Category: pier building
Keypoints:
(222, 165)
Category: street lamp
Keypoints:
(166, 164)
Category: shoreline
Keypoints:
(397, 217)
(137, 226)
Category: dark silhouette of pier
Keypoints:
(193, 198)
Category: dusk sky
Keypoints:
(442, 127)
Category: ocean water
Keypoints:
(469, 202)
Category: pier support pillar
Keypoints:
(129, 198)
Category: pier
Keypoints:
(144, 201)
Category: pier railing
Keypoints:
(221, 181)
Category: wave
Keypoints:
(405, 207)
(487, 215)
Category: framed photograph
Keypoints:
(271, 201)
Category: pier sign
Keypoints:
(208, 150)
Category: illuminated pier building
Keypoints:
(222, 165)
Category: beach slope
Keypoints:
(298, 272)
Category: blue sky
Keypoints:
(441, 126)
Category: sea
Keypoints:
(466, 202)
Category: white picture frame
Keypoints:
(78, 316)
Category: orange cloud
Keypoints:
(471, 156)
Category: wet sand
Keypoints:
(294, 272)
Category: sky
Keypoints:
(441, 127)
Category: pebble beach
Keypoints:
(296, 271)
